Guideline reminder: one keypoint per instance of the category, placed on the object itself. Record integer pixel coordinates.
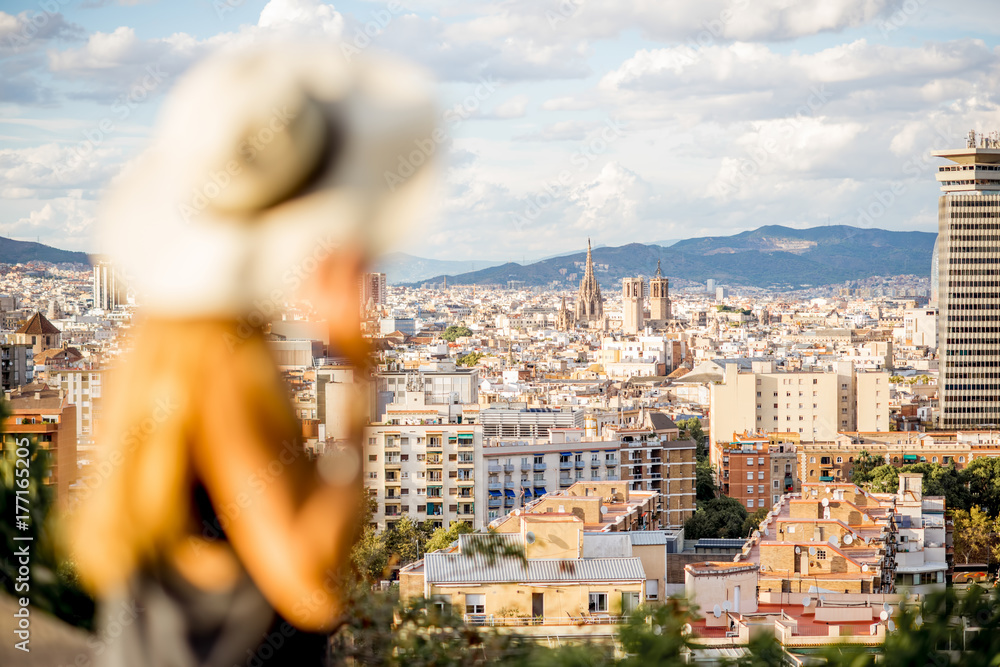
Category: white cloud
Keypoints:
(66, 221)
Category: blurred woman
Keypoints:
(274, 175)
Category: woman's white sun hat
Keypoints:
(261, 163)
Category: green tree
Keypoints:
(443, 537)
(864, 465)
(692, 428)
(752, 522)
(704, 480)
(719, 517)
(972, 535)
(370, 556)
(983, 478)
(884, 479)
(470, 359)
(404, 541)
(52, 578)
(454, 332)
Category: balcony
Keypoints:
(525, 467)
(539, 467)
(495, 503)
(394, 462)
(466, 462)
(594, 463)
(508, 467)
(495, 468)
(510, 484)
(565, 481)
(611, 462)
(466, 511)
(565, 465)
(466, 442)
(495, 486)
(613, 478)
(579, 465)
(508, 501)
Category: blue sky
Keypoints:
(672, 119)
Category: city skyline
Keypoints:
(566, 121)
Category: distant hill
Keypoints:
(400, 267)
(771, 256)
(21, 252)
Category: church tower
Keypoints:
(589, 304)
(632, 315)
(564, 320)
(659, 298)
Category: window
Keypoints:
(598, 602)
(750, 474)
(821, 554)
(760, 461)
(840, 459)
(749, 489)
(475, 604)
(760, 475)
(961, 459)
(749, 460)
(812, 459)
(774, 483)
(750, 502)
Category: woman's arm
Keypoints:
(292, 531)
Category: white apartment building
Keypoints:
(815, 404)
(83, 389)
(517, 471)
(426, 471)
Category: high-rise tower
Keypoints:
(969, 292)
(589, 303)
(632, 315)
(659, 298)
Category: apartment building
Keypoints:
(83, 388)
(17, 366)
(48, 416)
(755, 471)
(426, 471)
(655, 458)
(558, 592)
(815, 404)
(834, 460)
(839, 538)
(518, 471)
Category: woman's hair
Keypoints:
(136, 504)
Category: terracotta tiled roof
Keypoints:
(38, 324)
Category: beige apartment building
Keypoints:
(815, 405)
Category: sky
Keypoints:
(619, 121)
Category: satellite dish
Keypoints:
(798, 550)
(884, 615)
(529, 537)
(685, 629)
(717, 611)
(791, 529)
(825, 502)
(726, 606)
(756, 534)
(848, 539)
(765, 532)
(604, 510)
(812, 551)
(806, 601)
(864, 568)
(892, 626)
(886, 607)
(828, 490)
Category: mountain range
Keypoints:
(772, 256)
(21, 252)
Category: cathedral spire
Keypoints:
(659, 274)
